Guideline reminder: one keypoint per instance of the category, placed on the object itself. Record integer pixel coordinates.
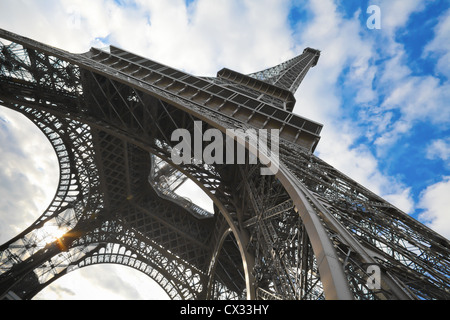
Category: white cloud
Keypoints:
(421, 99)
(342, 46)
(396, 13)
(395, 68)
(53, 22)
(439, 149)
(345, 46)
(412, 97)
(402, 199)
(435, 201)
(103, 282)
(440, 45)
(29, 173)
(238, 34)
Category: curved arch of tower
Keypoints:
(285, 224)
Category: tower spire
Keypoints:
(289, 74)
(279, 82)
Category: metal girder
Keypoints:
(309, 232)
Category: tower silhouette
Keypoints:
(305, 232)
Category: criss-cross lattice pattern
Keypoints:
(308, 232)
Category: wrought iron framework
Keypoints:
(308, 232)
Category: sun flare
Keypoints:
(52, 233)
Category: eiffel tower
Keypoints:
(307, 232)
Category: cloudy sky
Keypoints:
(383, 95)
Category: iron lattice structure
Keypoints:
(308, 232)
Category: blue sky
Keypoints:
(383, 95)
(406, 157)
